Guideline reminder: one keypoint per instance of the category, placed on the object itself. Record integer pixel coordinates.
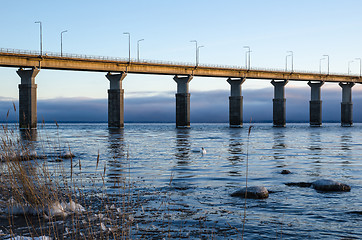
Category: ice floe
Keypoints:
(56, 209)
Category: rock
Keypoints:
(355, 212)
(330, 186)
(285, 171)
(325, 185)
(299, 184)
(67, 155)
(256, 192)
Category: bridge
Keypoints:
(29, 63)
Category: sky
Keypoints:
(309, 28)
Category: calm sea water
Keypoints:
(194, 190)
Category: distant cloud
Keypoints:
(208, 106)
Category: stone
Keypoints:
(255, 192)
(299, 184)
(67, 155)
(328, 185)
(285, 172)
(324, 185)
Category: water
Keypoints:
(190, 192)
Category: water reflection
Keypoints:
(315, 142)
(117, 163)
(116, 142)
(28, 138)
(28, 134)
(182, 172)
(346, 141)
(279, 146)
(182, 146)
(235, 147)
(235, 150)
(315, 145)
(346, 147)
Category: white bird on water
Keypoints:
(201, 150)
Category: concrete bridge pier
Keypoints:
(235, 103)
(315, 104)
(183, 101)
(27, 98)
(116, 100)
(346, 104)
(279, 103)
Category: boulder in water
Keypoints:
(256, 192)
(324, 185)
(285, 172)
(67, 155)
(299, 184)
(328, 185)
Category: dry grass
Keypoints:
(41, 202)
(31, 195)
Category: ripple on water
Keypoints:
(158, 158)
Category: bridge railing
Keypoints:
(148, 61)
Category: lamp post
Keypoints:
(320, 65)
(196, 51)
(349, 67)
(129, 45)
(138, 49)
(61, 42)
(247, 57)
(327, 62)
(286, 60)
(360, 66)
(41, 37)
(198, 54)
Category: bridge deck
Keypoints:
(24, 60)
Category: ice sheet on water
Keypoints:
(56, 209)
(29, 238)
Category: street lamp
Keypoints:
(61, 42)
(129, 45)
(286, 60)
(196, 61)
(349, 66)
(247, 57)
(41, 37)
(320, 65)
(198, 54)
(360, 66)
(327, 61)
(138, 49)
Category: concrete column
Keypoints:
(279, 103)
(346, 104)
(235, 103)
(27, 98)
(315, 104)
(116, 100)
(183, 101)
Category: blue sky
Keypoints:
(271, 28)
